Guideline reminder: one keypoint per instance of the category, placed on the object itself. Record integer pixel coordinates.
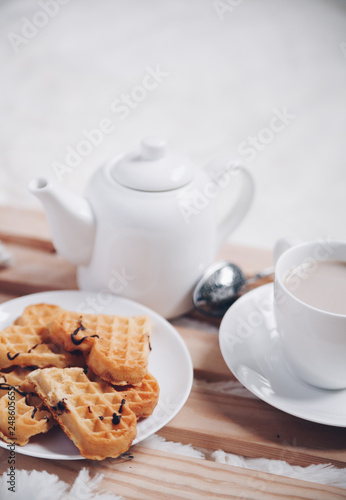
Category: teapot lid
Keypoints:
(153, 168)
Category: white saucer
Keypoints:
(169, 361)
(250, 346)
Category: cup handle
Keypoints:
(284, 244)
(241, 206)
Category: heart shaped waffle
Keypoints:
(92, 413)
(116, 348)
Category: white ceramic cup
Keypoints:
(313, 340)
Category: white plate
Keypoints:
(250, 346)
(169, 362)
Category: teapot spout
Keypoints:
(70, 218)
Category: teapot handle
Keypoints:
(240, 208)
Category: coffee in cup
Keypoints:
(322, 286)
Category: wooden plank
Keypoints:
(154, 474)
(35, 271)
(206, 356)
(252, 428)
(25, 227)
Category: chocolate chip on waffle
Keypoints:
(72, 331)
(142, 398)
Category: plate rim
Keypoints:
(294, 410)
(144, 310)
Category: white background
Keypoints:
(227, 73)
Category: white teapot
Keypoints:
(148, 225)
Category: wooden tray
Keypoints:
(242, 425)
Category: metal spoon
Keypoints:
(220, 286)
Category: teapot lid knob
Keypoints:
(153, 148)
(153, 168)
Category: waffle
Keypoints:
(143, 398)
(30, 346)
(92, 413)
(22, 413)
(121, 356)
(37, 315)
(116, 348)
